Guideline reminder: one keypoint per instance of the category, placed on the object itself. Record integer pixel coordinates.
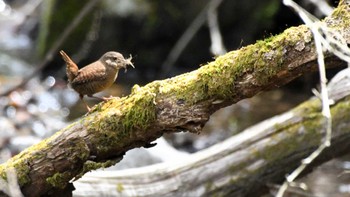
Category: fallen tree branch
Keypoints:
(243, 165)
(182, 103)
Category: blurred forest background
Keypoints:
(165, 38)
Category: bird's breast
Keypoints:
(111, 75)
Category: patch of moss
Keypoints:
(291, 142)
(216, 80)
(120, 188)
(21, 171)
(340, 111)
(141, 111)
(91, 165)
(312, 106)
(209, 186)
(59, 180)
(341, 14)
(119, 117)
(21, 162)
(77, 146)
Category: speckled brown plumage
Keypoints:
(96, 76)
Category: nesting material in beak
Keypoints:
(128, 62)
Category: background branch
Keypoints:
(56, 45)
(243, 165)
(187, 36)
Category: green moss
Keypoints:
(141, 111)
(91, 165)
(341, 110)
(312, 124)
(209, 186)
(120, 188)
(256, 63)
(137, 111)
(313, 106)
(77, 146)
(21, 170)
(59, 180)
(237, 168)
(119, 117)
(341, 14)
(3, 173)
(220, 194)
(21, 162)
(135, 88)
(292, 141)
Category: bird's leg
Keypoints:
(96, 97)
(109, 98)
(82, 98)
(102, 98)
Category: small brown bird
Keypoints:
(96, 76)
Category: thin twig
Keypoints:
(217, 46)
(10, 186)
(57, 44)
(335, 43)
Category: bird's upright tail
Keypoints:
(72, 68)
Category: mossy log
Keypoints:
(183, 103)
(243, 165)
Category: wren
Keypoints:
(96, 76)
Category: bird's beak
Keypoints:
(128, 62)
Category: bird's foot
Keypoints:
(86, 105)
(96, 97)
(109, 98)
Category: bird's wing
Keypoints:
(90, 73)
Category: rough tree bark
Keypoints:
(243, 165)
(182, 103)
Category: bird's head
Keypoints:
(116, 60)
